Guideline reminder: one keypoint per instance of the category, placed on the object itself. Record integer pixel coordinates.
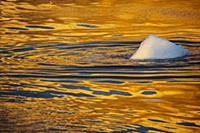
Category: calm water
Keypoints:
(65, 67)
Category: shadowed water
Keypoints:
(65, 67)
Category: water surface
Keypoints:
(65, 67)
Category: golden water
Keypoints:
(65, 67)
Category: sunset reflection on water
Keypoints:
(65, 67)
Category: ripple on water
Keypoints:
(39, 27)
(65, 67)
(17, 28)
(142, 129)
(189, 124)
(87, 25)
(43, 94)
(148, 92)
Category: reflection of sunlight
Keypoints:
(112, 17)
(65, 67)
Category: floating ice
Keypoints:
(154, 47)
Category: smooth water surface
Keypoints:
(65, 67)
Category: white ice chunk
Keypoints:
(154, 47)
